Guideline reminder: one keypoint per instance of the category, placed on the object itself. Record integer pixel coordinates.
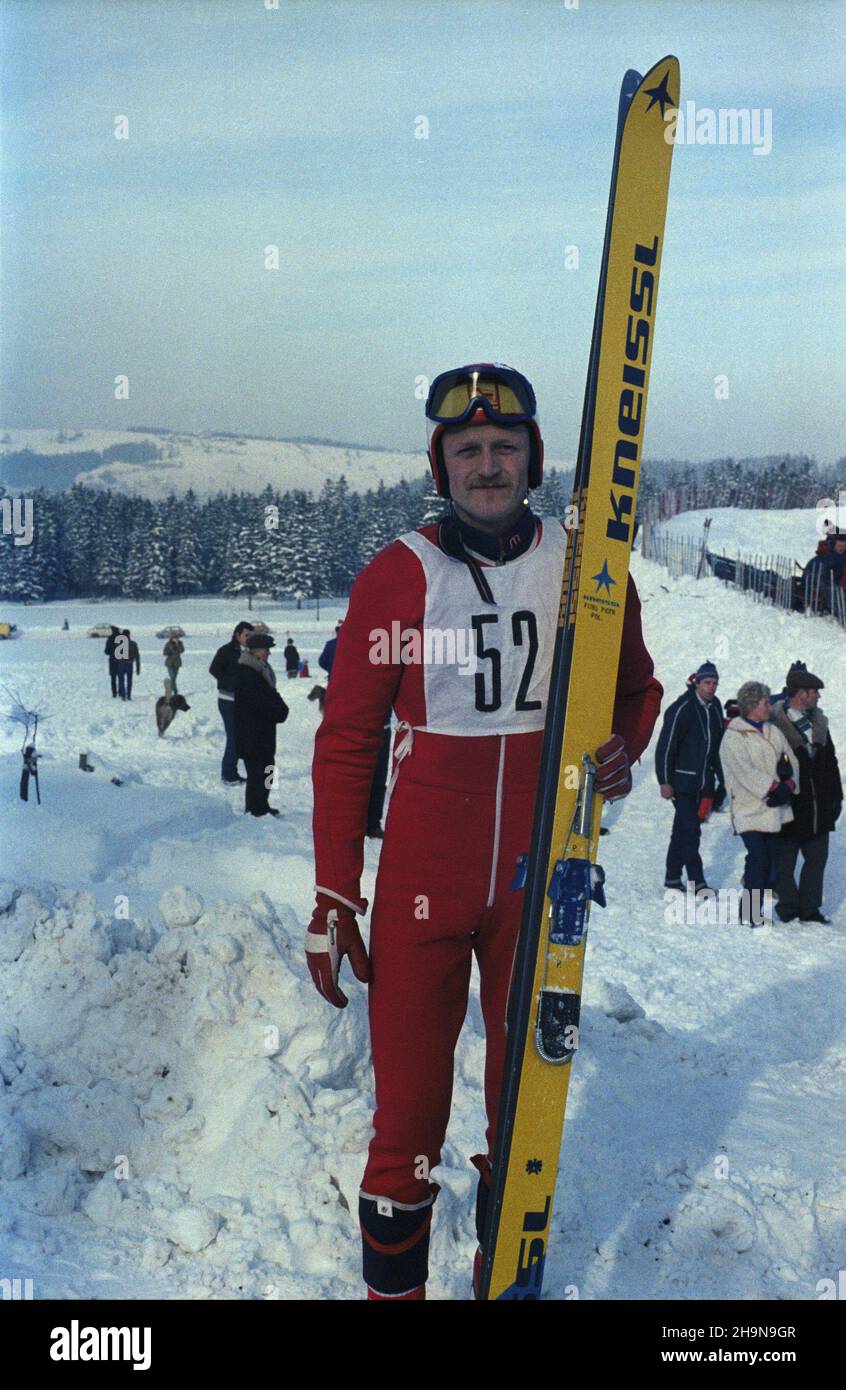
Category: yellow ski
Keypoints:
(562, 875)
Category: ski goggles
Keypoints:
(505, 396)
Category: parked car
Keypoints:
(100, 630)
(9, 630)
(171, 632)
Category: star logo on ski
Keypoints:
(660, 94)
(534, 1165)
(603, 580)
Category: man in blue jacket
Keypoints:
(687, 764)
(327, 656)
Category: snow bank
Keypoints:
(181, 1090)
(182, 1115)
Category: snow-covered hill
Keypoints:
(214, 463)
(736, 532)
(155, 1005)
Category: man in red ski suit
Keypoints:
(466, 758)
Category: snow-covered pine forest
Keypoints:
(300, 543)
(87, 542)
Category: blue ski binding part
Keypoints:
(519, 879)
(574, 884)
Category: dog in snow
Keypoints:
(167, 708)
(318, 693)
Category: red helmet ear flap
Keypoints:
(437, 465)
(536, 455)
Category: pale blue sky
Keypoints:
(400, 256)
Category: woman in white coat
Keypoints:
(761, 775)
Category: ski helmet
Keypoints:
(480, 394)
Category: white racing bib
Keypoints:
(486, 667)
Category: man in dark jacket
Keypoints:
(826, 570)
(817, 805)
(687, 765)
(832, 553)
(292, 659)
(258, 709)
(110, 653)
(127, 655)
(223, 667)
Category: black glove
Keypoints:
(718, 797)
(784, 771)
(780, 795)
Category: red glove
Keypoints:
(332, 934)
(614, 773)
(706, 806)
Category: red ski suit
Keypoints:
(459, 816)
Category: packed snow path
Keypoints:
(157, 1022)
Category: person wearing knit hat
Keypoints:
(707, 671)
(817, 805)
(687, 765)
(800, 678)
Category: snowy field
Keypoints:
(157, 1021)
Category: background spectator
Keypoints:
(110, 653)
(128, 656)
(223, 667)
(173, 650)
(292, 659)
(687, 765)
(761, 775)
(817, 805)
(258, 709)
